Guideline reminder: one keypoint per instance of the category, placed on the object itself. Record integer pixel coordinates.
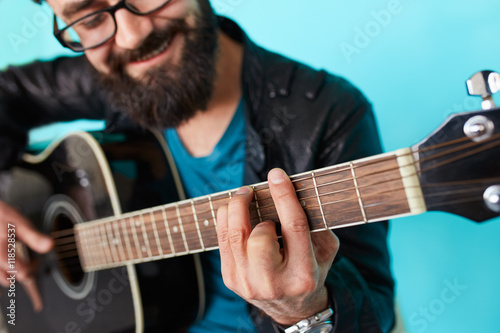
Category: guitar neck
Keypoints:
(363, 191)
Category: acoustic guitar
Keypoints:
(102, 197)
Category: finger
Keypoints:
(226, 255)
(239, 227)
(24, 229)
(22, 271)
(294, 224)
(21, 268)
(326, 245)
(31, 289)
(263, 247)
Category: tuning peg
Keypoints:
(484, 84)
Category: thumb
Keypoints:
(35, 240)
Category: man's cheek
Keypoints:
(98, 58)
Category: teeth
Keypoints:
(159, 50)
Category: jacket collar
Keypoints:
(252, 69)
(253, 87)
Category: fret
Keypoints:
(167, 231)
(206, 222)
(197, 225)
(82, 246)
(354, 180)
(127, 240)
(262, 208)
(155, 231)
(219, 200)
(319, 200)
(111, 241)
(135, 237)
(181, 226)
(338, 198)
(144, 247)
(100, 243)
(307, 194)
(191, 235)
(148, 231)
(96, 245)
(257, 207)
(104, 243)
(120, 244)
(382, 188)
(212, 209)
(175, 230)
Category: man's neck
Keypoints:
(201, 133)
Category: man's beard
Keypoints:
(167, 95)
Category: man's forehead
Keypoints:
(68, 8)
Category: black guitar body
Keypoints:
(87, 177)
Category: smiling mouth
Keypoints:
(161, 48)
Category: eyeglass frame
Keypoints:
(112, 11)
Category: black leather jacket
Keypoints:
(298, 119)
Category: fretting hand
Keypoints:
(287, 283)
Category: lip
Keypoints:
(160, 57)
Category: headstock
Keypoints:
(459, 163)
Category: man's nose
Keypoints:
(132, 29)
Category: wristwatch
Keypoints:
(318, 323)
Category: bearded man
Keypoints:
(226, 107)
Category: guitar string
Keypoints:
(267, 216)
(327, 203)
(377, 161)
(64, 240)
(76, 266)
(344, 211)
(458, 201)
(65, 246)
(322, 185)
(333, 172)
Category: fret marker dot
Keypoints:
(143, 248)
(137, 223)
(206, 223)
(176, 229)
(115, 241)
(303, 203)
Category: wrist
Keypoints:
(322, 322)
(298, 310)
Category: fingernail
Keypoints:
(277, 176)
(243, 190)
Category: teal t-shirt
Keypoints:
(220, 171)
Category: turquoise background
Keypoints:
(412, 65)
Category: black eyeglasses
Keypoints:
(97, 28)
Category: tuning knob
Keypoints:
(484, 84)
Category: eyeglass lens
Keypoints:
(95, 28)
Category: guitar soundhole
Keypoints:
(60, 216)
(67, 256)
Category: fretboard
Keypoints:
(363, 191)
